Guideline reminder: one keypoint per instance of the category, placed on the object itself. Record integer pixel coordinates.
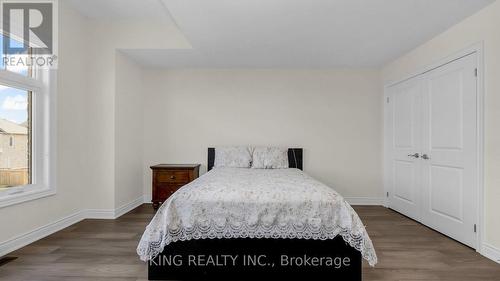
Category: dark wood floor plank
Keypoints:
(104, 250)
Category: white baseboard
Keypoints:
(48, 229)
(120, 211)
(370, 201)
(100, 214)
(490, 252)
(39, 233)
(111, 214)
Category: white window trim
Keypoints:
(43, 136)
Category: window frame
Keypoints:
(43, 139)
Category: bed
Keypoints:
(242, 224)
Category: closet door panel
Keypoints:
(403, 147)
(449, 144)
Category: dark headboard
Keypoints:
(294, 158)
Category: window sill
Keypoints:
(22, 195)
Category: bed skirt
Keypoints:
(254, 259)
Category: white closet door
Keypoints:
(449, 143)
(403, 147)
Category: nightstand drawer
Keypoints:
(173, 176)
(166, 190)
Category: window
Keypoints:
(15, 137)
(26, 134)
(27, 101)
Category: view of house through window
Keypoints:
(15, 137)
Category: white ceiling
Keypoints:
(121, 9)
(289, 33)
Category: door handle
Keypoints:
(425, 157)
(416, 155)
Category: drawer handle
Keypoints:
(172, 177)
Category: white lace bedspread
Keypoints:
(255, 203)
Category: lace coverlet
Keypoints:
(255, 203)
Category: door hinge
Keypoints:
(475, 228)
(387, 194)
(387, 99)
(475, 72)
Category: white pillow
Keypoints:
(270, 158)
(233, 157)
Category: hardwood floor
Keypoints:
(105, 250)
(407, 250)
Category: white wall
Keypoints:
(483, 26)
(336, 116)
(107, 37)
(128, 131)
(72, 128)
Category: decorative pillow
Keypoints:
(233, 157)
(270, 158)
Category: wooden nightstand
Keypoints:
(167, 178)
